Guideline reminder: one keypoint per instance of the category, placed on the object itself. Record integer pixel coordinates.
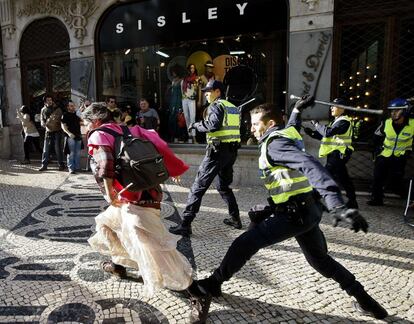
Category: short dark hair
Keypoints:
(269, 112)
(47, 95)
(109, 98)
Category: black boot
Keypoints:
(234, 221)
(352, 203)
(366, 304)
(181, 229)
(210, 285)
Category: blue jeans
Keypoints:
(74, 155)
(56, 138)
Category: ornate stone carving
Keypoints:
(311, 4)
(74, 12)
(7, 18)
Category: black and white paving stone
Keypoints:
(49, 274)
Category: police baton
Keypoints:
(327, 103)
(244, 104)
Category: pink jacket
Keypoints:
(174, 165)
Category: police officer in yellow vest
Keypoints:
(336, 146)
(394, 142)
(291, 176)
(222, 125)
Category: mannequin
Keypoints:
(175, 104)
(189, 87)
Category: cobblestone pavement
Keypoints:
(49, 274)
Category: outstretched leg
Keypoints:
(313, 245)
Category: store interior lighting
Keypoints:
(162, 54)
(237, 52)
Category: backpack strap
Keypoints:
(116, 135)
(106, 130)
(126, 132)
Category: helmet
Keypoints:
(398, 103)
(339, 101)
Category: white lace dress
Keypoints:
(135, 237)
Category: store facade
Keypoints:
(260, 49)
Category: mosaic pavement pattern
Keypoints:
(49, 274)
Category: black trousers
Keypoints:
(389, 170)
(215, 163)
(278, 228)
(27, 145)
(336, 166)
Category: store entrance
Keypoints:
(45, 63)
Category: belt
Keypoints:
(148, 204)
(295, 203)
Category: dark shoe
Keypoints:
(72, 172)
(352, 204)
(236, 223)
(61, 167)
(375, 202)
(210, 285)
(365, 303)
(42, 168)
(114, 269)
(181, 230)
(199, 308)
(374, 309)
(25, 161)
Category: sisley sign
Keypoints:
(153, 22)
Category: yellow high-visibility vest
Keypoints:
(280, 181)
(230, 129)
(397, 144)
(338, 142)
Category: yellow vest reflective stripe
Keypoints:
(230, 129)
(280, 181)
(338, 142)
(397, 144)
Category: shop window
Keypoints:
(246, 64)
(138, 57)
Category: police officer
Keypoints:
(290, 175)
(393, 141)
(222, 125)
(336, 146)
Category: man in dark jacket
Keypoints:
(222, 125)
(336, 146)
(291, 177)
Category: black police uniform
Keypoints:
(388, 170)
(336, 161)
(218, 161)
(299, 217)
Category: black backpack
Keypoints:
(137, 161)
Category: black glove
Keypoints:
(350, 216)
(304, 102)
(308, 131)
(314, 122)
(191, 127)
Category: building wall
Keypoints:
(310, 34)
